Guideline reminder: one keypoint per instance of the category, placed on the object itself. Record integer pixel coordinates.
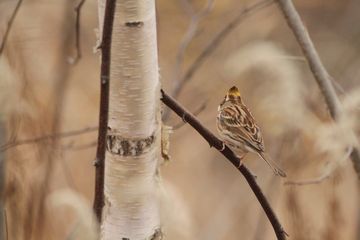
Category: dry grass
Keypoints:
(203, 197)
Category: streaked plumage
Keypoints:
(238, 129)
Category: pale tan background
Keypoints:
(203, 196)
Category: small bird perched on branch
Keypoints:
(238, 130)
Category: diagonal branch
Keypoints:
(192, 30)
(195, 113)
(189, 35)
(218, 144)
(321, 75)
(215, 42)
(9, 24)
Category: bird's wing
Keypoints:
(241, 124)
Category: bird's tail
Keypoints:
(272, 164)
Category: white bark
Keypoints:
(133, 142)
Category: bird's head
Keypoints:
(233, 93)
(232, 96)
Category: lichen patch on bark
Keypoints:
(116, 144)
(134, 24)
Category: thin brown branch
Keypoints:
(16, 143)
(74, 60)
(196, 113)
(104, 106)
(317, 68)
(218, 144)
(272, 185)
(9, 25)
(215, 42)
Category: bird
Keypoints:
(238, 130)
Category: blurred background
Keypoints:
(47, 182)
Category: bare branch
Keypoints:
(73, 147)
(321, 75)
(190, 33)
(107, 29)
(15, 143)
(271, 186)
(215, 42)
(317, 180)
(196, 113)
(324, 176)
(9, 25)
(187, 38)
(74, 60)
(218, 144)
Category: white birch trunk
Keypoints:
(133, 143)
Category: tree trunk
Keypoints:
(133, 140)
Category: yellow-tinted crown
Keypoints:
(234, 91)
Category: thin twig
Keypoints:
(72, 147)
(104, 106)
(317, 180)
(196, 113)
(73, 133)
(190, 33)
(74, 60)
(215, 42)
(9, 25)
(187, 38)
(324, 176)
(218, 144)
(321, 75)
